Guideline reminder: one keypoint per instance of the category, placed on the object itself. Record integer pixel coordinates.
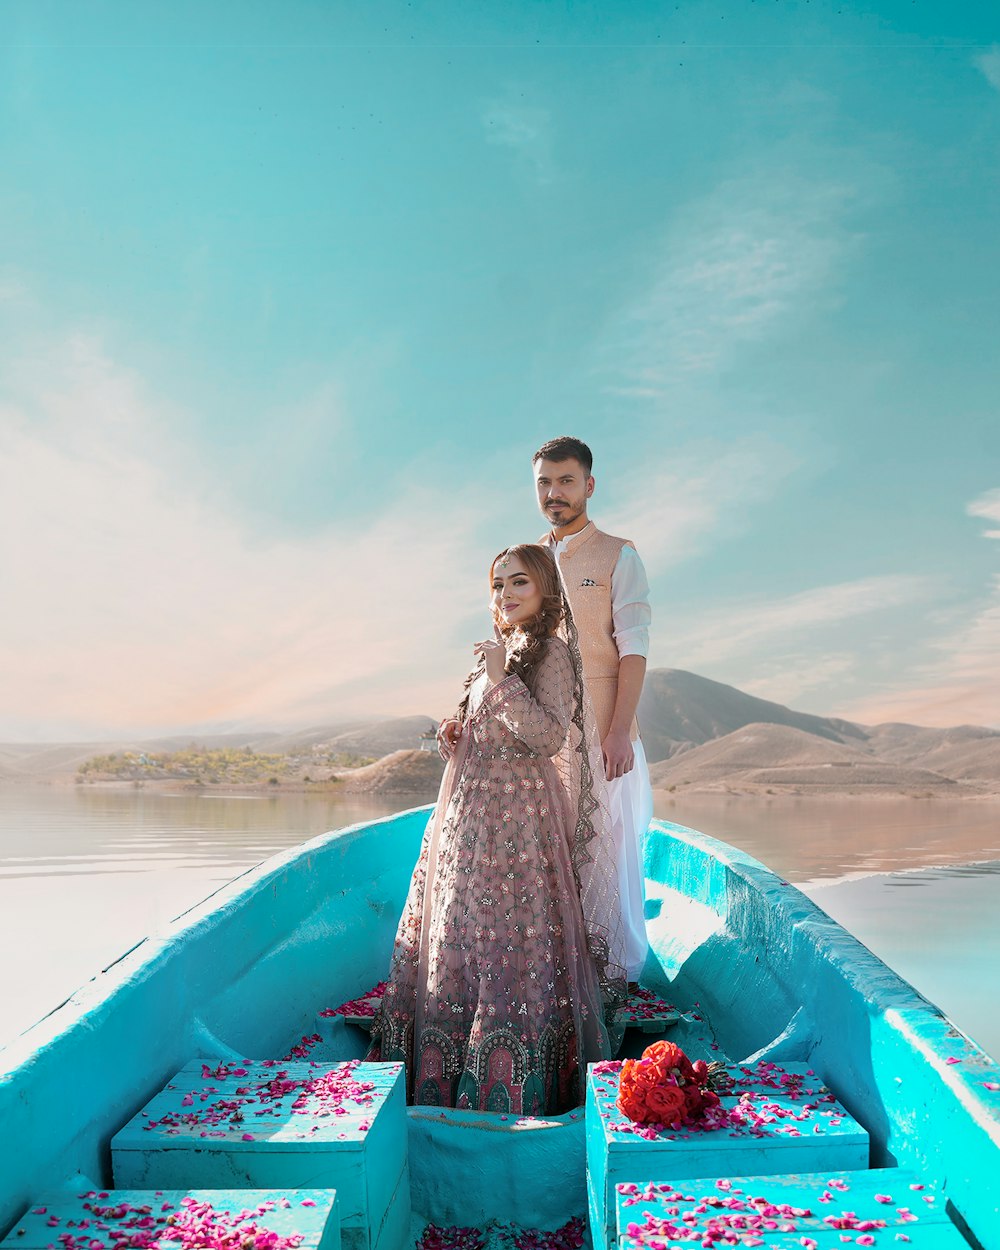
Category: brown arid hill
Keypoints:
(360, 737)
(399, 734)
(403, 772)
(760, 758)
(680, 710)
(967, 751)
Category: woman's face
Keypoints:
(516, 597)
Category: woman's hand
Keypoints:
(494, 651)
(448, 734)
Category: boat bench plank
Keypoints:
(793, 1124)
(70, 1222)
(931, 1237)
(783, 1210)
(278, 1125)
(648, 1013)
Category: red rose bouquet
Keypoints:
(665, 1087)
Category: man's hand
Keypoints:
(619, 758)
(448, 734)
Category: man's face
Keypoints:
(563, 490)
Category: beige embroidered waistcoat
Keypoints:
(587, 563)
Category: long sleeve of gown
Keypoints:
(538, 717)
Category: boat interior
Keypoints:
(862, 1087)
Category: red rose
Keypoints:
(663, 1087)
(693, 1101)
(638, 1083)
(669, 1058)
(666, 1104)
(631, 1091)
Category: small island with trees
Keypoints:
(231, 766)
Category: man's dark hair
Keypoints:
(565, 449)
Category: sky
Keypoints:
(290, 293)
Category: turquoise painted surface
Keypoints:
(778, 978)
(313, 1214)
(244, 974)
(896, 1198)
(825, 1139)
(286, 1142)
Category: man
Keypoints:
(609, 595)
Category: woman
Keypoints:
(505, 971)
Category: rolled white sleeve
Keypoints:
(630, 612)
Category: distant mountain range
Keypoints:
(702, 734)
(698, 734)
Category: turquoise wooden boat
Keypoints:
(759, 971)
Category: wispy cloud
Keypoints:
(732, 267)
(988, 507)
(794, 677)
(525, 129)
(989, 63)
(960, 686)
(960, 682)
(743, 628)
(136, 598)
(701, 498)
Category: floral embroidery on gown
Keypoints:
(493, 1000)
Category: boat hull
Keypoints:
(245, 972)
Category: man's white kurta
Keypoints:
(630, 797)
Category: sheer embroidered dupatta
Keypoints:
(580, 764)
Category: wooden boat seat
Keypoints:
(277, 1125)
(790, 1122)
(103, 1217)
(886, 1207)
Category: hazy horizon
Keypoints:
(290, 295)
(336, 725)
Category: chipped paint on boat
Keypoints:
(245, 972)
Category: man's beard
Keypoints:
(566, 517)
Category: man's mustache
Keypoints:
(556, 503)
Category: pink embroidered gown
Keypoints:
(493, 1000)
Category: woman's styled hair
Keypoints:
(526, 642)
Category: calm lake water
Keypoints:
(86, 873)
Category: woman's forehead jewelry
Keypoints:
(502, 564)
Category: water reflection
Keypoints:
(86, 874)
(819, 839)
(990, 868)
